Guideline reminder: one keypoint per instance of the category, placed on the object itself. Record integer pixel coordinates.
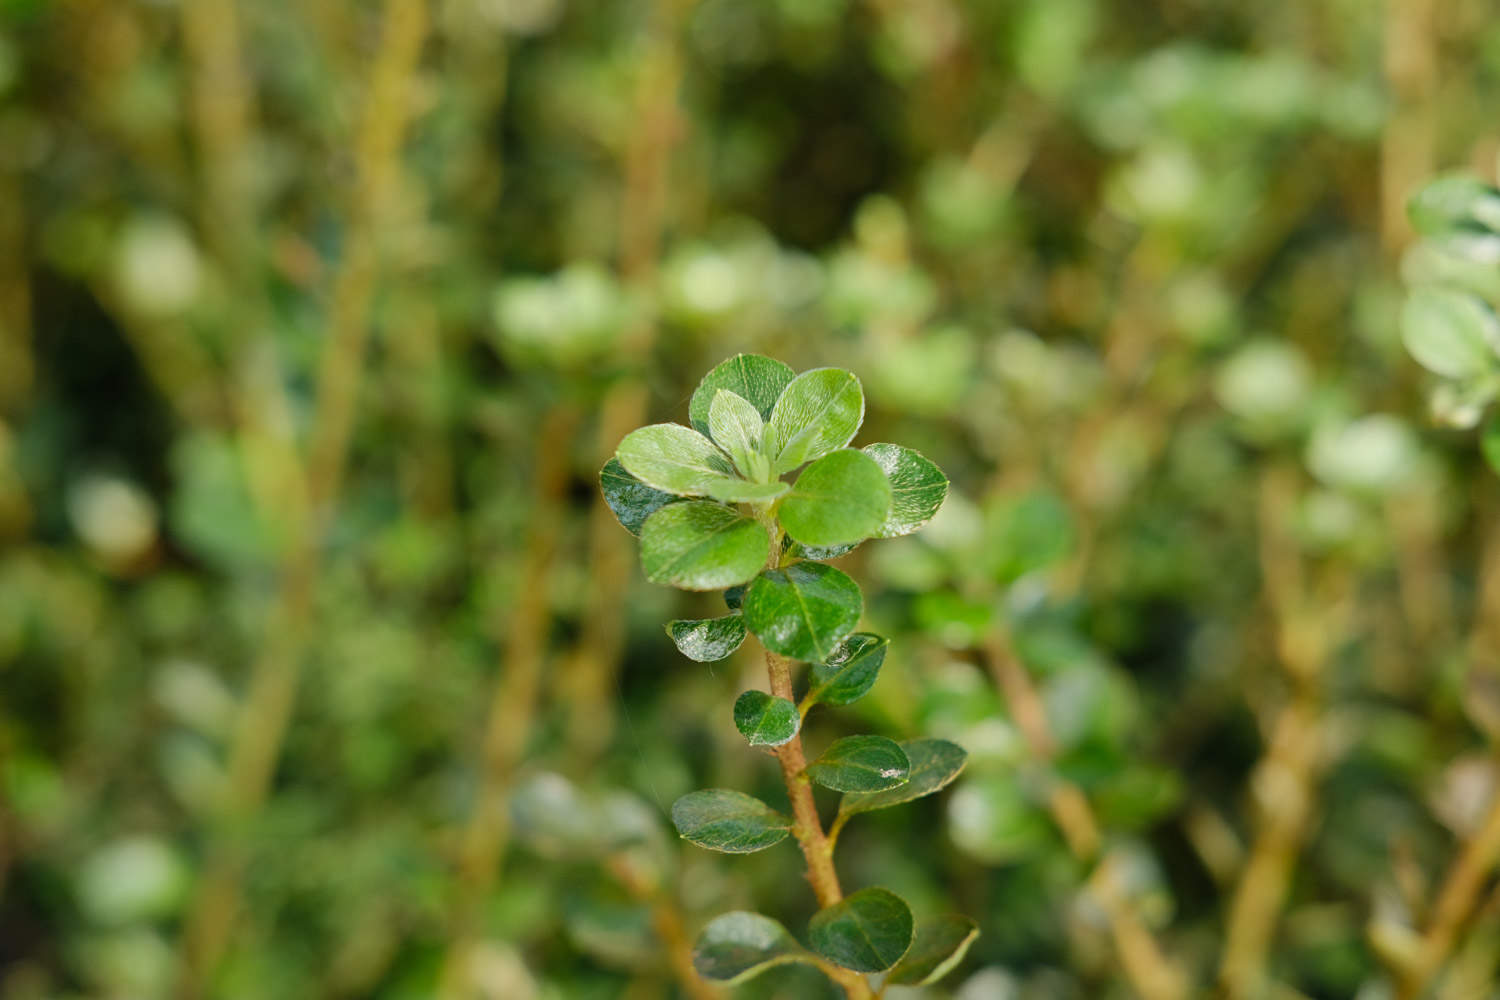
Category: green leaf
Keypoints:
(842, 497)
(1455, 202)
(918, 488)
(700, 545)
(731, 822)
(765, 721)
(867, 932)
(861, 764)
(707, 639)
(803, 611)
(631, 500)
(939, 944)
(1450, 333)
(756, 379)
(744, 491)
(850, 672)
(818, 413)
(1489, 442)
(934, 765)
(737, 946)
(736, 426)
(674, 458)
(817, 553)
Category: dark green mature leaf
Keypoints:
(803, 611)
(918, 488)
(731, 822)
(737, 946)
(940, 944)
(861, 764)
(700, 545)
(759, 380)
(764, 720)
(934, 765)
(1450, 333)
(675, 459)
(818, 413)
(734, 597)
(850, 671)
(736, 425)
(1455, 202)
(867, 932)
(840, 498)
(707, 639)
(631, 500)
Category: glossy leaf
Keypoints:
(849, 673)
(933, 765)
(1450, 333)
(803, 610)
(734, 947)
(819, 412)
(736, 426)
(700, 545)
(764, 720)
(938, 945)
(721, 819)
(861, 764)
(842, 497)
(707, 639)
(867, 932)
(675, 459)
(756, 379)
(918, 488)
(631, 500)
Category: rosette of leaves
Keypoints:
(753, 499)
(1449, 323)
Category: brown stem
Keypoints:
(666, 919)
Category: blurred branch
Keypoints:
(666, 919)
(1407, 144)
(1150, 972)
(15, 297)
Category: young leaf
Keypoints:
(867, 932)
(861, 764)
(675, 459)
(737, 946)
(631, 500)
(756, 379)
(850, 672)
(918, 488)
(707, 639)
(803, 611)
(934, 765)
(818, 413)
(743, 491)
(731, 822)
(736, 427)
(699, 545)
(1450, 333)
(842, 497)
(765, 721)
(939, 944)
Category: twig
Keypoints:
(666, 919)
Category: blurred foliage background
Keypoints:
(324, 672)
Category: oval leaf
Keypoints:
(736, 425)
(840, 498)
(934, 765)
(850, 672)
(756, 379)
(861, 764)
(918, 488)
(744, 491)
(803, 611)
(939, 944)
(731, 822)
(674, 458)
(699, 545)
(765, 721)
(1450, 333)
(707, 639)
(818, 413)
(736, 946)
(867, 932)
(631, 500)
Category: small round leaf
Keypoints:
(764, 720)
(840, 498)
(700, 545)
(861, 764)
(707, 639)
(759, 380)
(803, 611)
(727, 821)
(737, 946)
(1450, 333)
(736, 425)
(818, 413)
(918, 488)
(939, 944)
(867, 932)
(674, 459)
(934, 765)
(631, 500)
(850, 672)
